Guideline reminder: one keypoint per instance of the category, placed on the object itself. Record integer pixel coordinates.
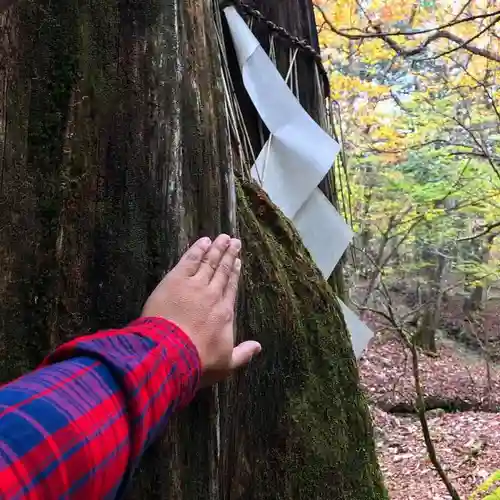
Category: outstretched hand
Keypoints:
(199, 296)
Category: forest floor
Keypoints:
(465, 427)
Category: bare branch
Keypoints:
(478, 144)
(462, 44)
(465, 44)
(483, 85)
(363, 34)
(475, 154)
(485, 230)
(431, 450)
(471, 134)
(429, 444)
(438, 32)
(464, 7)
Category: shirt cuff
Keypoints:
(162, 327)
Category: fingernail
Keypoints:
(223, 239)
(237, 264)
(236, 243)
(205, 241)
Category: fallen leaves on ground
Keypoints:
(451, 376)
(466, 442)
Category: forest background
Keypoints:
(416, 88)
(113, 161)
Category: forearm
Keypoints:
(78, 425)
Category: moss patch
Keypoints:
(304, 430)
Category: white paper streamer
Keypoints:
(360, 333)
(323, 231)
(300, 152)
(297, 156)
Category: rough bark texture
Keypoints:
(299, 420)
(113, 156)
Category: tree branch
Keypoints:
(478, 144)
(438, 32)
(485, 230)
(429, 444)
(363, 34)
(462, 44)
(483, 84)
(471, 48)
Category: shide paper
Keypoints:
(286, 169)
(360, 333)
(300, 152)
(323, 231)
(297, 156)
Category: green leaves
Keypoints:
(486, 487)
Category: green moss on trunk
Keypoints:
(301, 425)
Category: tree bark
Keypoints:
(474, 302)
(114, 155)
(425, 336)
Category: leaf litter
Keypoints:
(464, 423)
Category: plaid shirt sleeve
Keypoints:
(77, 426)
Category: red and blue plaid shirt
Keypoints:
(77, 426)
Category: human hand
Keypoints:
(199, 295)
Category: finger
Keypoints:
(225, 270)
(190, 262)
(231, 291)
(243, 353)
(211, 259)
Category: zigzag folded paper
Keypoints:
(323, 231)
(296, 157)
(300, 152)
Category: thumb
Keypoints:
(243, 353)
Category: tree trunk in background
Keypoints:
(474, 252)
(425, 336)
(113, 156)
(474, 301)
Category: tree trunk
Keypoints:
(113, 157)
(114, 154)
(425, 336)
(474, 301)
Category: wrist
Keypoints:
(163, 328)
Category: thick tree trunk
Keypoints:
(113, 156)
(299, 426)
